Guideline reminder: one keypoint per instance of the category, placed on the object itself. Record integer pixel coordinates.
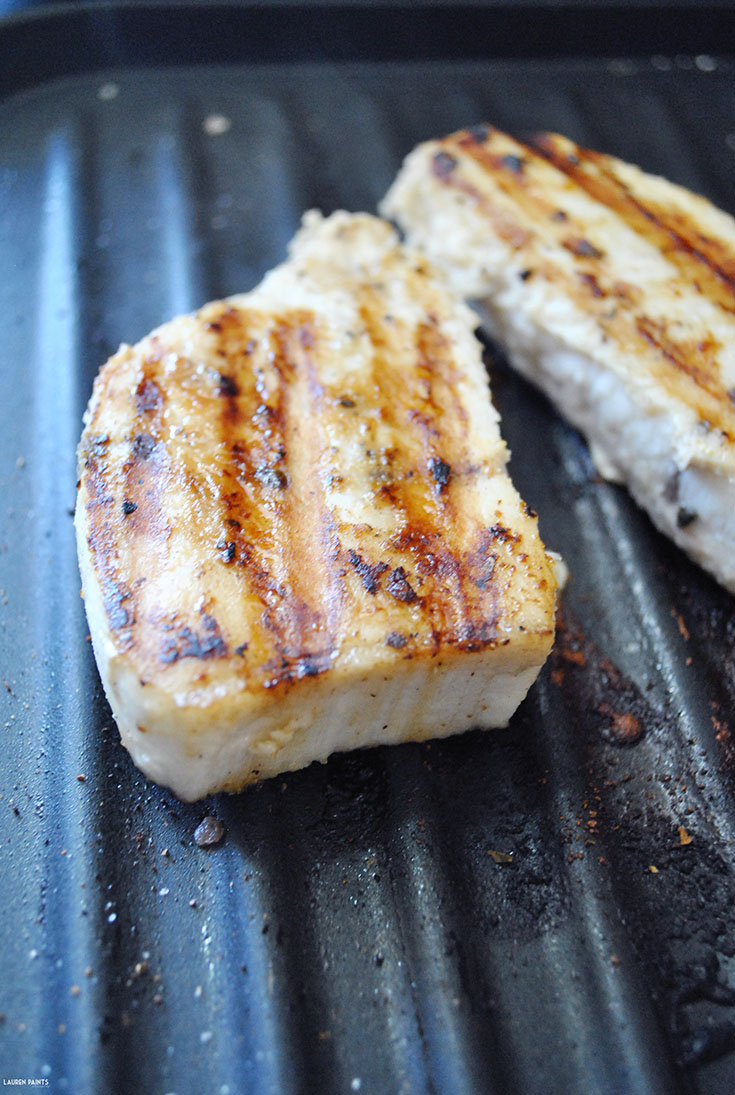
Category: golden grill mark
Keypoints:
(313, 529)
(684, 356)
(125, 510)
(246, 429)
(271, 536)
(303, 643)
(504, 165)
(434, 366)
(422, 396)
(145, 469)
(507, 229)
(520, 186)
(117, 595)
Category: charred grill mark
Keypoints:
(425, 546)
(685, 517)
(695, 361)
(228, 386)
(271, 478)
(503, 535)
(96, 448)
(183, 642)
(433, 367)
(475, 635)
(227, 550)
(397, 396)
(369, 575)
(498, 163)
(433, 363)
(479, 133)
(481, 564)
(148, 396)
(582, 248)
(440, 472)
(513, 163)
(143, 446)
(672, 486)
(593, 285)
(264, 585)
(443, 164)
(475, 627)
(114, 596)
(480, 568)
(486, 570)
(436, 370)
(117, 596)
(295, 667)
(399, 586)
(229, 390)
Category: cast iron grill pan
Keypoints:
(543, 909)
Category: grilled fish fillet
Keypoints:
(612, 290)
(295, 526)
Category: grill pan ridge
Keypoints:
(542, 909)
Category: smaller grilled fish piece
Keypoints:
(295, 527)
(611, 289)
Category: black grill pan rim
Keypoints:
(58, 40)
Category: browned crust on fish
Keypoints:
(207, 464)
(703, 260)
(540, 178)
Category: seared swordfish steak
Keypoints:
(614, 291)
(295, 526)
